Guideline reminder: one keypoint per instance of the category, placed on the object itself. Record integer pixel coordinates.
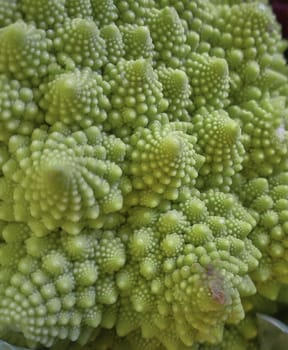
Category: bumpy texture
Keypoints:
(61, 181)
(143, 173)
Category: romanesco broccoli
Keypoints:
(143, 173)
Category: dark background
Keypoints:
(280, 8)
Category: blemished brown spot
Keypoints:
(216, 285)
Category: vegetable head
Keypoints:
(143, 172)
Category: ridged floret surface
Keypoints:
(61, 181)
(143, 173)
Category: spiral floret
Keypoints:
(19, 112)
(177, 91)
(78, 40)
(62, 181)
(163, 159)
(114, 42)
(250, 28)
(136, 96)
(50, 292)
(219, 141)
(76, 98)
(264, 136)
(203, 260)
(137, 42)
(24, 51)
(44, 14)
(269, 200)
(209, 79)
(104, 11)
(168, 36)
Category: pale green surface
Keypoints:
(143, 173)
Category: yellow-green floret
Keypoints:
(143, 173)
(189, 270)
(136, 96)
(55, 180)
(79, 40)
(51, 287)
(24, 51)
(75, 98)
(19, 111)
(269, 200)
(161, 159)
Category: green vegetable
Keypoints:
(143, 173)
